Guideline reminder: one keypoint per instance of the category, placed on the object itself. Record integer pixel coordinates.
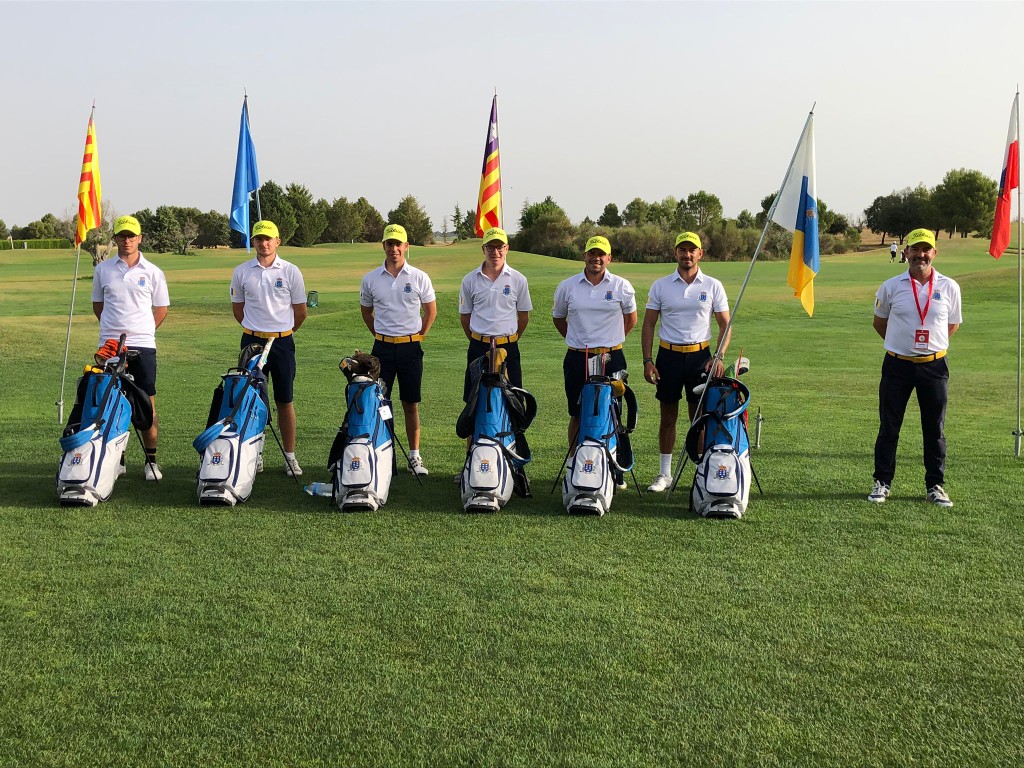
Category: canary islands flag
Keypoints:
(90, 193)
(797, 211)
(488, 207)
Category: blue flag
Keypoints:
(247, 178)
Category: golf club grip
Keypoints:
(265, 354)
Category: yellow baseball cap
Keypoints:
(395, 232)
(600, 243)
(127, 224)
(921, 236)
(495, 233)
(688, 237)
(265, 229)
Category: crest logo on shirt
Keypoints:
(279, 283)
(142, 282)
(507, 290)
(937, 296)
(607, 295)
(703, 296)
(408, 288)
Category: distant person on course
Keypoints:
(892, 252)
(398, 305)
(685, 302)
(129, 295)
(268, 299)
(595, 311)
(916, 313)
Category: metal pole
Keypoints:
(1020, 288)
(757, 428)
(67, 340)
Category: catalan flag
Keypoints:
(797, 211)
(90, 194)
(488, 206)
(1009, 180)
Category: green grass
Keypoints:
(819, 630)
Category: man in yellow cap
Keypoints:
(129, 295)
(494, 303)
(685, 302)
(594, 311)
(268, 299)
(398, 305)
(916, 313)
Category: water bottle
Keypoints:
(319, 489)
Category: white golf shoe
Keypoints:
(661, 483)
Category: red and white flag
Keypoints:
(1008, 181)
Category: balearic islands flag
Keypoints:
(90, 193)
(1009, 180)
(247, 177)
(797, 211)
(488, 206)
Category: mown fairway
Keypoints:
(819, 630)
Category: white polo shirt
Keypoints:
(687, 308)
(268, 293)
(493, 306)
(128, 296)
(396, 301)
(594, 312)
(895, 301)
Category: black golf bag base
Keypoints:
(582, 505)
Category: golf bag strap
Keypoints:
(629, 398)
(693, 436)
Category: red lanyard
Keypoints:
(927, 304)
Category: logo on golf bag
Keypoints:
(76, 459)
(588, 466)
(485, 466)
(703, 296)
(608, 296)
(408, 288)
(507, 290)
(356, 463)
(216, 459)
(722, 473)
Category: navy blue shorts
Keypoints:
(679, 370)
(143, 369)
(575, 373)
(513, 365)
(280, 366)
(404, 362)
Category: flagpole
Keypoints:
(1020, 288)
(501, 200)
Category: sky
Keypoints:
(598, 102)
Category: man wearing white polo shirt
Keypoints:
(398, 305)
(595, 311)
(916, 313)
(684, 301)
(129, 295)
(268, 299)
(494, 303)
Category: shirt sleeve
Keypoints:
(654, 297)
(955, 315)
(721, 301)
(365, 294)
(561, 306)
(237, 292)
(882, 306)
(427, 290)
(161, 297)
(298, 286)
(524, 303)
(97, 284)
(465, 296)
(628, 298)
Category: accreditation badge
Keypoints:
(921, 339)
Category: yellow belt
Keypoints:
(918, 358)
(398, 339)
(496, 339)
(684, 347)
(597, 350)
(268, 334)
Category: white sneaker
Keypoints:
(621, 484)
(152, 471)
(417, 467)
(937, 495)
(879, 493)
(661, 483)
(291, 467)
(259, 464)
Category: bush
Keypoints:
(647, 243)
(45, 243)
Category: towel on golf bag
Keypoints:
(231, 446)
(496, 418)
(362, 458)
(721, 481)
(603, 452)
(107, 400)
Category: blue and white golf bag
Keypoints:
(231, 446)
(362, 458)
(603, 453)
(108, 401)
(721, 483)
(495, 418)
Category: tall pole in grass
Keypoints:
(1020, 292)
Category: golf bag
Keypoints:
(96, 435)
(231, 446)
(496, 418)
(721, 483)
(603, 453)
(362, 458)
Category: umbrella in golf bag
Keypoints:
(107, 401)
(496, 418)
(362, 458)
(231, 446)
(602, 453)
(721, 483)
